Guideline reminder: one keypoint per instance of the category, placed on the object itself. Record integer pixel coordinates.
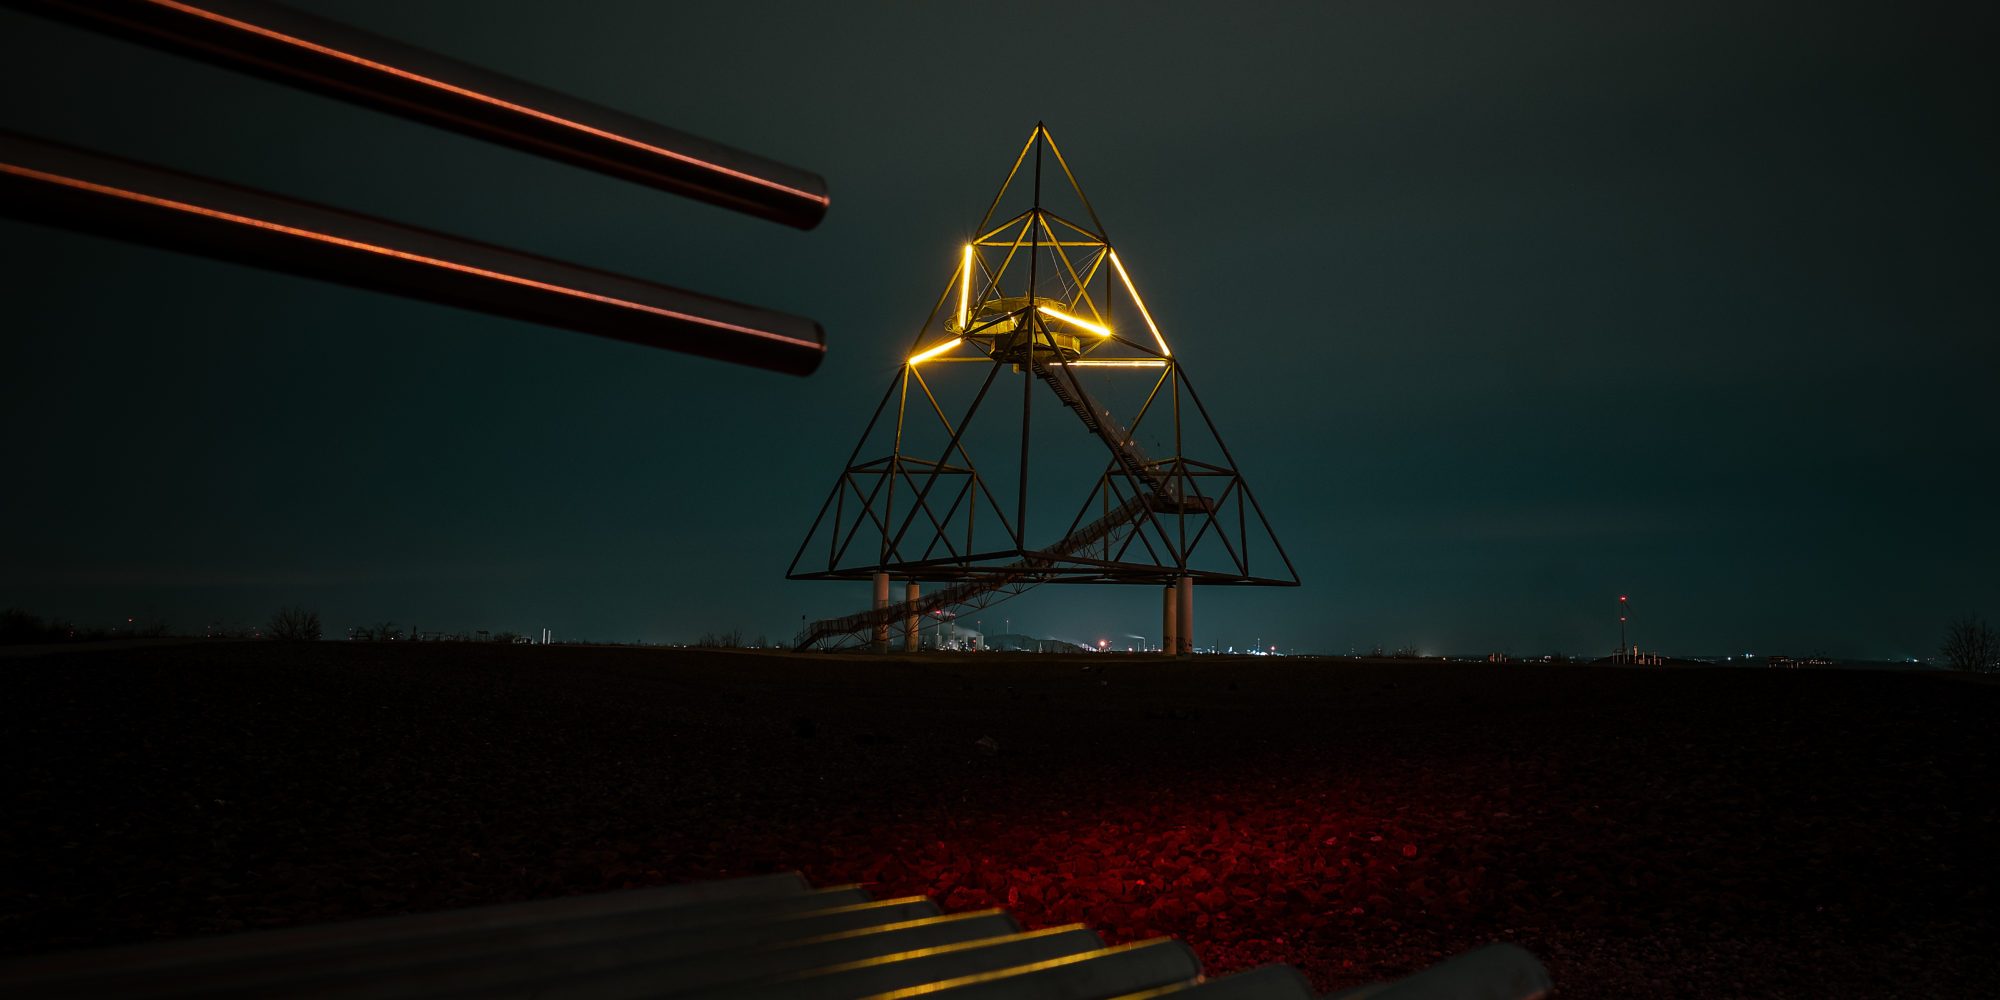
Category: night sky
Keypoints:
(1503, 313)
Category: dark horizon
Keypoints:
(1502, 315)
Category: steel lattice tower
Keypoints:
(1045, 296)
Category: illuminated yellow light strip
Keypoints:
(1134, 292)
(965, 289)
(935, 351)
(1102, 331)
(1118, 363)
(695, 161)
(415, 258)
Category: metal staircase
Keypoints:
(1163, 493)
(1062, 381)
(1016, 576)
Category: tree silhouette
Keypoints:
(295, 623)
(1971, 644)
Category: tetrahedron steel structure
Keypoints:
(1042, 295)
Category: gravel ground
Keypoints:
(1647, 833)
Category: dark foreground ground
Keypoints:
(1648, 833)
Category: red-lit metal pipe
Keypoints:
(327, 57)
(76, 189)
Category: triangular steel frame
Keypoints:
(1059, 328)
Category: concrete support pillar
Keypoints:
(881, 601)
(1184, 618)
(911, 629)
(1170, 602)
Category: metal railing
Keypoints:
(54, 184)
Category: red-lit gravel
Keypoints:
(1647, 833)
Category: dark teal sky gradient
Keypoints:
(1504, 313)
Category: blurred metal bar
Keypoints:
(1495, 972)
(331, 58)
(726, 966)
(76, 189)
(751, 938)
(1107, 972)
(910, 969)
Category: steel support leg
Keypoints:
(881, 601)
(1184, 617)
